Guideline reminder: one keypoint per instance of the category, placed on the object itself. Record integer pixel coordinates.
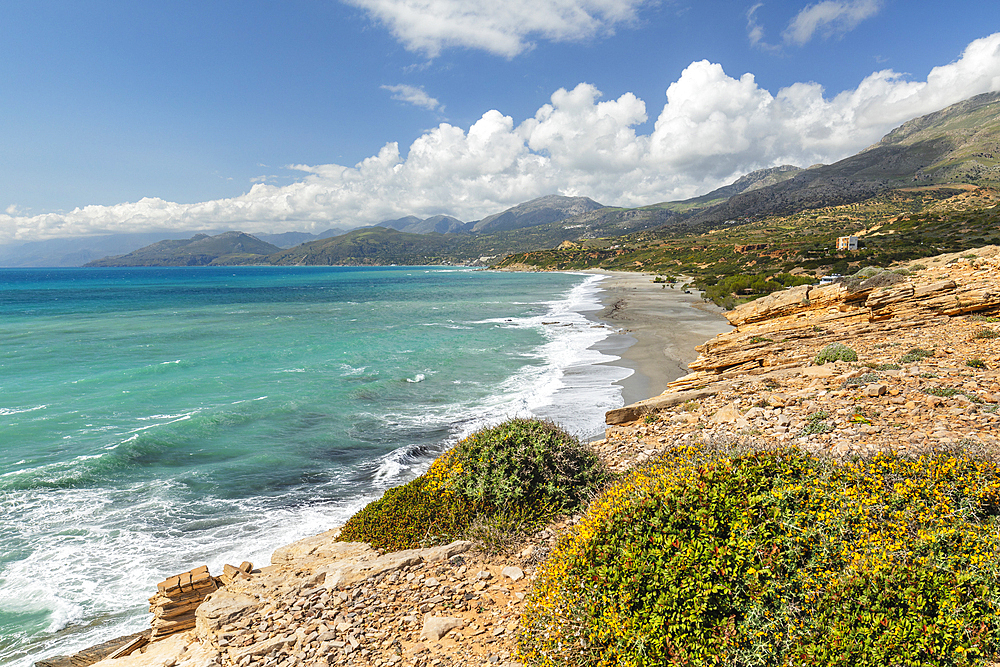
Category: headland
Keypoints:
(921, 377)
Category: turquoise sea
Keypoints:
(153, 420)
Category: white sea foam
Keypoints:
(6, 412)
(82, 544)
(571, 373)
(96, 553)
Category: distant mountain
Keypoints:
(959, 144)
(292, 239)
(367, 246)
(541, 211)
(200, 250)
(747, 183)
(77, 251)
(438, 224)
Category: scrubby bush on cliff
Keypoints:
(522, 461)
(509, 475)
(915, 354)
(411, 515)
(835, 352)
(704, 558)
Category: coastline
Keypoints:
(660, 328)
(655, 331)
(481, 594)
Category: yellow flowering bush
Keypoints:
(776, 558)
(501, 478)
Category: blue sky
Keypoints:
(306, 115)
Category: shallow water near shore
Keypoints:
(152, 420)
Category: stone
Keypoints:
(222, 608)
(436, 627)
(824, 371)
(323, 547)
(513, 573)
(876, 390)
(262, 648)
(727, 414)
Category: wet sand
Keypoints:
(661, 327)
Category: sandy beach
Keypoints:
(661, 327)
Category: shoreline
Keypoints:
(481, 593)
(659, 328)
(653, 333)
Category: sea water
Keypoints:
(153, 420)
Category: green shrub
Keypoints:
(861, 380)
(986, 333)
(776, 559)
(500, 479)
(524, 461)
(835, 352)
(915, 354)
(975, 362)
(817, 424)
(412, 515)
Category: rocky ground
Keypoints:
(927, 374)
(323, 602)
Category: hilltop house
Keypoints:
(847, 243)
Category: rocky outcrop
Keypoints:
(785, 329)
(926, 377)
(176, 600)
(346, 603)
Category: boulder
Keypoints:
(222, 608)
(773, 305)
(436, 627)
(321, 548)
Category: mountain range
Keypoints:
(959, 144)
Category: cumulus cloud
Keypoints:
(501, 28)
(712, 128)
(831, 18)
(413, 95)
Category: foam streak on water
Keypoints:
(153, 420)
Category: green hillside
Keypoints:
(200, 250)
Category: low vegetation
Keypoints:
(835, 352)
(503, 479)
(733, 290)
(708, 557)
(915, 354)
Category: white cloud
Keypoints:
(755, 31)
(831, 18)
(501, 28)
(713, 128)
(413, 95)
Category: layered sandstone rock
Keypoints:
(787, 328)
(176, 600)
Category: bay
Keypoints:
(152, 420)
